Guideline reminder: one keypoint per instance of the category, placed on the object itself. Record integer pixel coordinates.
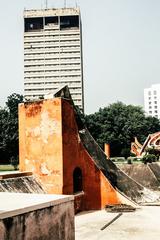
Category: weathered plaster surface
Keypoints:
(51, 147)
(43, 217)
(40, 139)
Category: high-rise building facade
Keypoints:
(53, 53)
(152, 100)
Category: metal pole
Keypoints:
(114, 219)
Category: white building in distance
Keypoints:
(152, 100)
(53, 53)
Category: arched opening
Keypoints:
(77, 180)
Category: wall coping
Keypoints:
(14, 174)
(12, 204)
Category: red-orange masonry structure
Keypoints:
(51, 148)
(152, 141)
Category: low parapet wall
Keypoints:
(36, 216)
(147, 175)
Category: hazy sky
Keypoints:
(121, 48)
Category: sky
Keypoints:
(121, 48)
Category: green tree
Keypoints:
(9, 127)
(118, 124)
(3, 131)
(152, 150)
(149, 158)
(12, 104)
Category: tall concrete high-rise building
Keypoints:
(53, 53)
(152, 100)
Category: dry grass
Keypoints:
(6, 167)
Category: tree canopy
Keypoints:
(118, 124)
(9, 128)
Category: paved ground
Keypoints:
(143, 224)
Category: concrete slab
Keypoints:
(138, 225)
(36, 216)
(12, 204)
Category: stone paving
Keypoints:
(143, 224)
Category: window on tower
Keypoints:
(51, 20)
(33, 24)
(69, 22)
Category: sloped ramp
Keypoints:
(143, 174)
(26, 184)
(155, 167)
(119, 180)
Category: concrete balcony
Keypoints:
(44, 49)
(53, 73)
(44, 68)
(51, 38)
(36, 62)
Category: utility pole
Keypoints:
(64, 3)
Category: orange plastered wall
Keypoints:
(97, 190)
(51, 148)
(40, 142)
